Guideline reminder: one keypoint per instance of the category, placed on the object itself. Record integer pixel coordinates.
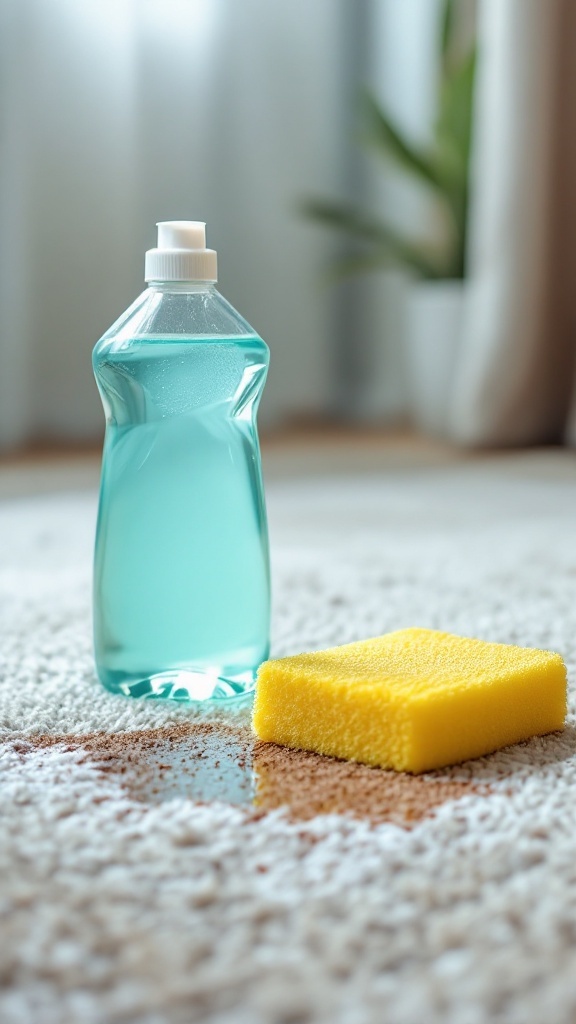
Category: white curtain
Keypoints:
(513, 378)
(117, 113)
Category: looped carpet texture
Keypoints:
(116, 910)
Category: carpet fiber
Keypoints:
(118, 910)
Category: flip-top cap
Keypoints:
(181, 254)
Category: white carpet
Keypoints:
(118, 911)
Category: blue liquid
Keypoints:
(181, 579)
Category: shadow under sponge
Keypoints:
(412, 700)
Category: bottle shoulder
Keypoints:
(178, 317)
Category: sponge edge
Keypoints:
(412, 700)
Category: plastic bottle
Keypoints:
(181, 573)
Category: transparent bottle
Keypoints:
(181, 572)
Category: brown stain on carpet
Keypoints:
(310, 784)
(210, 761)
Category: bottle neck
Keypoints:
(188, 287)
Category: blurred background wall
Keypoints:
(119, 113)
(115, 114)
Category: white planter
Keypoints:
(435, 314)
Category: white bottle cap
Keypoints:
(181, 254)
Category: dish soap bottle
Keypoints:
(181, 573)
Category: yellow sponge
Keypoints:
(412, 700)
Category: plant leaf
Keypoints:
(454, 141)
(385, 246)
(387, 136)
(359, 226)
(454, 121)
(380, 259)
(446, 32)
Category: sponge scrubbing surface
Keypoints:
(412, 700)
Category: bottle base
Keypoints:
(183, 686)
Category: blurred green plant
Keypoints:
(443, 168)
